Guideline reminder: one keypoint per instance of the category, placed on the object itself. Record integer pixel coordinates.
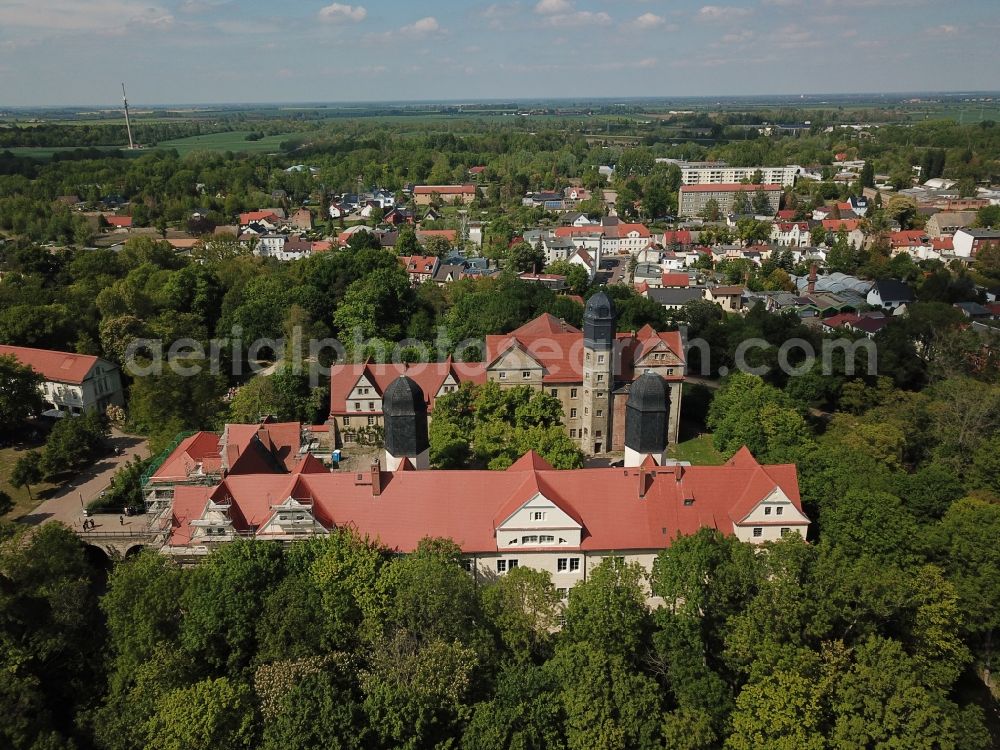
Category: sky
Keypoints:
(77, 52)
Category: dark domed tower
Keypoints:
(405, 412)
(598, 373)
(599, 323)
(647, 413)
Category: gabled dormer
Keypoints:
(515, 365)
(293, 516)
(536, 517)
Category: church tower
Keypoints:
(598, 373)
(647, 413)
(405, 411)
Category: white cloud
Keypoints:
(579, 18)
(426, 25)
(944, 29)
(721, 13)
(73, 15)
(649, 21)
(548, 7)
(340, 12)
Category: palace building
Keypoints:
(589, 371)
(564, 522)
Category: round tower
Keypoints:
(405, 410)
(647, 413)
(598, 373)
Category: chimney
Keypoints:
(644, 477)
(376, 470)
(811, 286)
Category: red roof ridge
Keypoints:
(531, 461)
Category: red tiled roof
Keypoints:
(467, 506)
(249, 447)
(418, 264)
(58, 367)
(252, 216)
(787, 213)
(119, 221)
(908, 238)
(729, 187)
(200, 449)
(426, 234)
(430, 376)
(445, 189)
(677, 236)
(943, 244)
(835, 225)
(675, 279)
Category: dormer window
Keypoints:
(538, 515)
(778, 511)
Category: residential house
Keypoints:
(730, 298)
(948, 222)
(889, 294)
(448, 194)
(791, 233)
(73, 383)
(692, 199)
(119, 223)
(555, 282)
(420, 268)
(968, 242)
(673, 298)
(301, 219)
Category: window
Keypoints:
(758, 531)
(371, 406)
(600, 412)
(563, 594)
(600, 377)
(785, 531)
(525, 374)
(538, 515)
(529, 539)
(511, 564)
(767, 510)
(600, 359)
(357, 406)
(553, 391)
(572, 433)
(588, 356)
(778, 511)
(371, 421)
(502, 376)
(467, 566)
(586, 410)
(501, 566)
(688, 501)
(562, 564)
(597, 433)
(572, 392)
(574, 563)
(347, 421)
(572, 413)
(546, 539)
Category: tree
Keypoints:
(606, 702)
(73, 442)
(27, 471)
(711, 211)
(406, 242)
(207, 715)
(164, 404)
(6, 503)
(285, 395)
(608, 610)
(988, 217)
(867, 178)
(376, 305)
(20, 397)
(525, 258)
(577, 278)
(742, 204)
(524, 607)
(415, 692)
(761, 204)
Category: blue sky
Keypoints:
(198, 51)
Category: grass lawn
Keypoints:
(234, 141)
(22, 502)
(698, 450)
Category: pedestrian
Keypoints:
(121, 520)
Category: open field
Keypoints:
(234, 141)
(22, 502)
(698, 450)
